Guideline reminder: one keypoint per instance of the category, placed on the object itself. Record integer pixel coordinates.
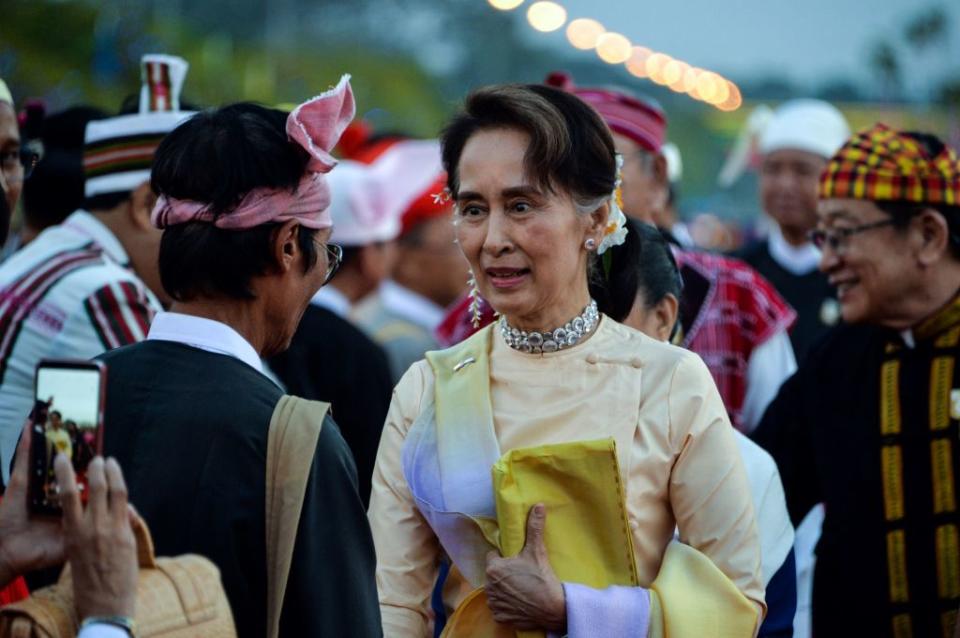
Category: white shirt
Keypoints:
(102, 630)
(411, 306)
(69, 294)
(769, 504)
(798, 260)
(204, 334)
(770, 364)
(332, 299)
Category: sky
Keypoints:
(75, 392)
(811, 41)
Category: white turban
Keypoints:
(806, 125)
(5, 95)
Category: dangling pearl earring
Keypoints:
(474, 300)
(590, 244)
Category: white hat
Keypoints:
(806, 125)
(367, 200)
(5, 95)
(118, 151)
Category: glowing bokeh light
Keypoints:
(614, 48)
(722, 91)
(584, 32)
(672, 72)
(706, 87)
(546, 16)
(637, 64)
(655, 63)
(734, 99)
(505, 5)
(690, 79)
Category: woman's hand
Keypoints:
(523, 591)
(100, 544)
(27, 543)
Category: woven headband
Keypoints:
(315, 125)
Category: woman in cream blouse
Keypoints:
(532, 172)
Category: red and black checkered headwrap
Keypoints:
(886, 165)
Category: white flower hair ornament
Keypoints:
(615, 232)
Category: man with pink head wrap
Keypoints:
(244, 210)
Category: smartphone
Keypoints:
(67, 417)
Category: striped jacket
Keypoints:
(68, 294)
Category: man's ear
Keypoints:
(935, 236)
(286, 245)
(667, 314)
(142, 200)
(659, 170)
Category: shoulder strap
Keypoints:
(291, 444)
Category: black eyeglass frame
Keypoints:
(837, 239)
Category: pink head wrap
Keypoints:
(316, 125)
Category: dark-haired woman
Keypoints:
(642, 289)
(243, 204)
(556, 386)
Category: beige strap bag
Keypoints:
(178, 597)
(291, 443)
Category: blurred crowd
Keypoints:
(487, 382)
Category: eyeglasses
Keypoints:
(18, 165)
(837, 239)
(334, 258)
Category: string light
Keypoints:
(641, 62)
(614, 48)
(546, 16)
(637, 64)
(505, 5)
(583, 33)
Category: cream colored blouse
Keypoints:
(676, 449)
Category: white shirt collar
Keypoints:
(908, 340)
(87, 224)
(799, 260)
(333, 300)
(410, 305)
(205, 334)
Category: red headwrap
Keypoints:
(641, 121)
(427, 206)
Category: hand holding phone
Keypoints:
(67, 419)
(27, 543)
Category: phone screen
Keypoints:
(67, 420)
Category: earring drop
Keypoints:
(474, 300)
(590, 244)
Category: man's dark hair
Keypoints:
(570, 146)
(55, 189)
(217, 157)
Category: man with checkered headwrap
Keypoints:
(869, 424)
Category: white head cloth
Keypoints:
(805, 125)
(369, 200)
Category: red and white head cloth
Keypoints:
(315, 125)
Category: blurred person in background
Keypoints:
(429, 274)
(795, 147)
(366, 204)
(729, 314)
(91, 283)
(643, 290)
(13, 171)
(869, 424)
(56, 187)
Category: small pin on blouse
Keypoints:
(463, 364)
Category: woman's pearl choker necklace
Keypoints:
(559, 339)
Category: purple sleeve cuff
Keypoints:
(614, 611)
